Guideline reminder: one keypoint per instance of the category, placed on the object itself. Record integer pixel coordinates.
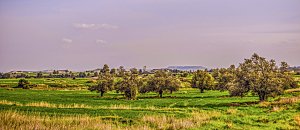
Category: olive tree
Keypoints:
(261, 77)
(129, 85)
(23, 83)
(223, 77)
(160, 82)
(105, 70)
(105, 83)
(287, 76)
(202, 80)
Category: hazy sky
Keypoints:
(85, 34)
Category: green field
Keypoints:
(52, 83)
(185, 109)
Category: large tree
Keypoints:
(202, 80)
(129, 85)
(105, 83)
(261, 77)
(160, 82)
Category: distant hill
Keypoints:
(295, 68)
(186, 68)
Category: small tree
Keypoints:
(161, 82)
(105, 70)
(173, 84)
(105, 83)
(287, 76)
(130, 86)
(144, 69)
(82, 74)
(121, 71)
(202, 80)
(113, 71)
(223, 77)
(134, 71)
(23, 83)
(39, 75)
(96, 74)
(155, 84)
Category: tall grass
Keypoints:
(19, 120)
(172, 123)
(297, 119)
(75, 105)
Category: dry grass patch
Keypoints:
(5, 102)
(297, 119)
(277, 108)
(264, 104)
(282, 101)
(16, 120)
(45, 104)
(50, 105)
(289, 100)
(163, 122)
(21, 121)
(231, 111)
(74, 105)
(292, 90)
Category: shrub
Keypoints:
(4, 86)
(23, 83)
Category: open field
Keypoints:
(52, 83)
(185, 109)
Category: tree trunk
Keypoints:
(262, 97)
(160, 93)
(201, 90)
(101, 93)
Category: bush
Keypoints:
(91, 81)
(4, 86)
(23, 83)
(55, 85)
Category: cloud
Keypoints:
(94, 26)
(101, 41)
(67, 40)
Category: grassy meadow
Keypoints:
(184, 109)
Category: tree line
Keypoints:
(255, 75)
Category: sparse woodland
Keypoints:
(256, 93)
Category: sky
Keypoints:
(86, 34)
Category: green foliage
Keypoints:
(82, 74)
(121, 71)
(161, 82)
(105, 70)
(23, 83)
(202, 80)
(223, 77)
(39, 75)
(129, 86)
(261, 77)
(105, 83)
(134, 71)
